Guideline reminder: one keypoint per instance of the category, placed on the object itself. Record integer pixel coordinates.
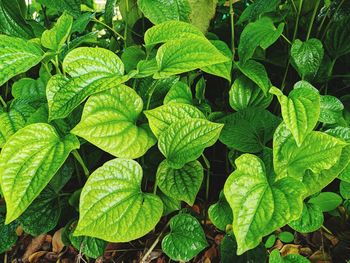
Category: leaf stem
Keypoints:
(312, 19)
(286, 39)
(232, 30)
(107, 26)
(3, 102)
(81, 162)
(207, 185)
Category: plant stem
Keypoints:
(81, 162)
(232, 30)
(312, 19)
(322, 22)
(47, 69)
(3, 102)
(107, 26)
(207, 185)
(286, 39)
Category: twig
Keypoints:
(312, 19)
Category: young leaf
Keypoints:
(300, 111)
(109, 122)
(257, 8)
(307, 57)
(180, 92)
(331, 109)
(220, 213)
(112, 205)
(28, 161)
(286, 237)
(261, 33)
(275, 257)
(17, 56)
(162, 117)
(185, 140)
(8, 236)
(326, 201)
(91, 70)
(254, 198)
(310, 220)
(186, 238)
(181, 184)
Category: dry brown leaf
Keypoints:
(290, 249)
(278, 245)
(19, 230)
(211, 252)
(57, 243)
(51, 257)
(334, 240)
(33, 258)
(218, 238)
(320, 257)
(305, 251)
(34, 246)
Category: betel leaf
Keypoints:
(244, 93)
(256, 72)
(17, 56)
(344, 188)
(109, 122)
(158, 11)
(181, 184)
(220, 213)
(331, 109)
(300, 111)
(256, 199)
(162, 117)
(257, 8)
(307, 57)
(337, 39)
(275, 257)
(180, 92)
(28, 161)
(248, 130)
(132, 56)
(182, 55)
(261, 33)
(91, 70)
(185, 140)
(112, 205)
(186, 238)
(8, 236)
(55, 37)
(169, 204)
(286, 237)
(310, 220)
(29, 89)
(326, 201)
(202, 12)
(72, 7)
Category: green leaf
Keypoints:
(132, 56)
(270, 241)
(264, 204)
(256, 72)
(81, 22)
(17, 56)
(170, 204)
(220, 213)
(181, 184)
(261, 33)
(248, 130)
(300, 111)
(337, 39)
(8, 236)
(29, 89)
(257, 8)
(28, 161)
(344, 188)
(310, 220)
(244, 94)
(158, 11)
(286, 237)
(180, 92)
(55, 37)
(182, 55)
(109, 122)
(112, 205)
(307, 57)
(91, 70)
(72, 7)
(275, 257)
(202, 12)
(326, 201)
(186, 238)
(185, 140)
(331, 109)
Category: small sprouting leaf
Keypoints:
(256, 199)
(109, 122)
(91, 70)
(337, 39)
(182, 55)
(307, 57)
(270, 241)
(181, 184)
(220, 213)
(17, 56)
(162, 117)
(28, 161)
(275, 257)
(158, 11)
(55, 37)
(261, 33)
(286, 237)
(112, 205)
(310, 220)
(244, 94)
(326, 201)
(186, 238)
(180, 92)
(257, 8)
(248, 130)
(185, 140)
(8, 236)
(300, 111)
(331, 109)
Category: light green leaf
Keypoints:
(256, 72)
(17, 56)
(8, 236)
(202, 12)
(257, 8)
(310, 220)
(326, 201)
(248, 130)
(55, 37)
(185, 140)
(109, 122)
(112, 205)
(344, 188)
(72, 7)
(91, 70)
(220, 213)
(158, 11)
(180, 92)
(28, 161)
(162, 117)
(300, 111)
(307, 57)
(182, 55)
(244, 94)
(260, 205)
(186, 238)
(331, 109)
(181, 184)
(261, 33)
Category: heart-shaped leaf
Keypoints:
(310, 220)
(220, 213)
